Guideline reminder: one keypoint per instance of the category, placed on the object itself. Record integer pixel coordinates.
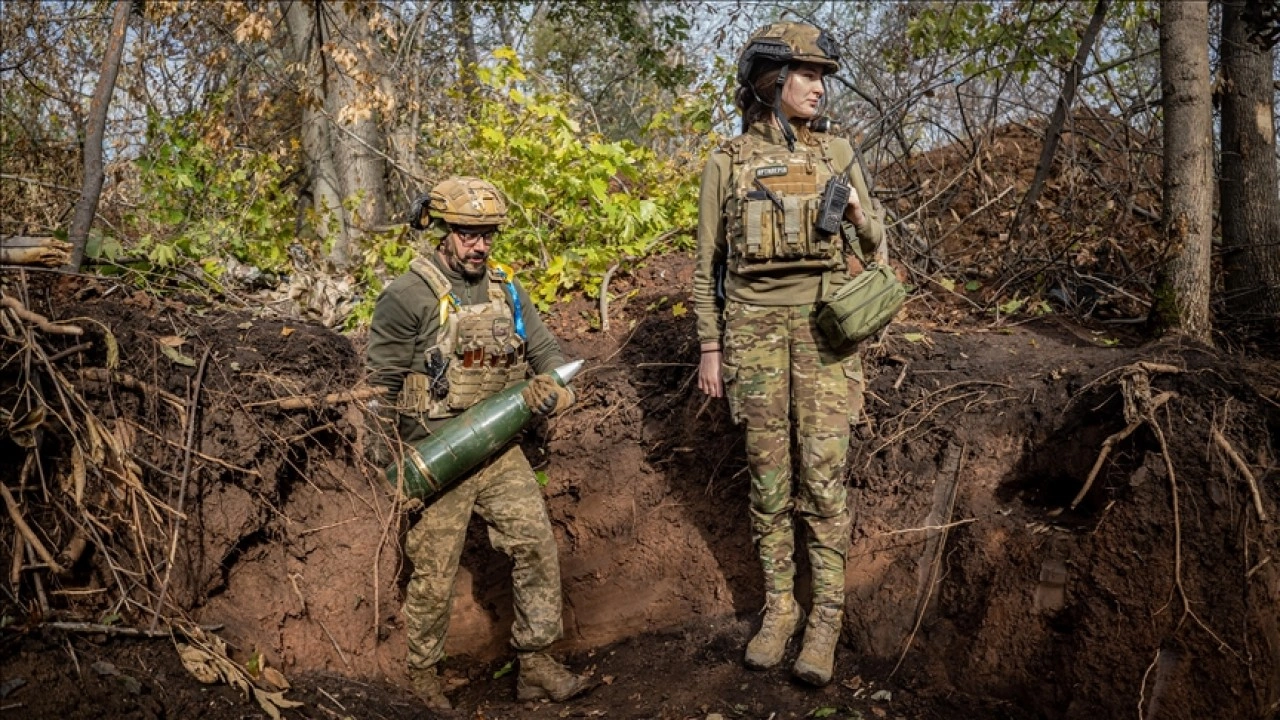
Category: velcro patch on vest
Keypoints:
(772, 171)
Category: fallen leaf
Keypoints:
(271, 702)
(199, 663)
(274, 678)
(286, 331)
(172, 341)
(177, 357)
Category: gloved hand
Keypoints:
(378, 435)
(545, 396)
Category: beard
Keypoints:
(470, 265)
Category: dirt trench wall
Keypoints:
(1071, 613)
(971, 444)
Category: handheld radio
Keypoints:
(835, 196)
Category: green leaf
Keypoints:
(823, 712)
(1010, 307)
(504, 670)
(973, 286)
(913, 337)
(542, 477)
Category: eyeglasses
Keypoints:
(472, 236)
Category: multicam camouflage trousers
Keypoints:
(506, 494)
(779, 373)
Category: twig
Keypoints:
(38, 583)
(325, 527)
(337, 647)
(309, 433)
(207, 458)
(1243, 468)
(937, 560)
(969, 217)
(95, 628)
(37, 319)
(1110, 442)
(604, 296)
(927, 528)
(306, 402)
(34, 542)
(128, 381)
(192, 421)
(69, 351)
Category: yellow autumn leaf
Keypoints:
(678, 310)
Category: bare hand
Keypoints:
(710, 380)
(853, 211)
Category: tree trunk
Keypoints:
(1070, 81)
(340, 134)
(468, 57)
(1183, 293)
(91, 187)
(1248, 186)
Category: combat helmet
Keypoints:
(788, 43)
(464, 201)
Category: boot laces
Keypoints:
(825, 624)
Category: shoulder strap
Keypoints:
(438, 283)
(736, 148)
(503, 276)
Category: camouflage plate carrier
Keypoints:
(483, 344)
(774, 203)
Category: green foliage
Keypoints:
(391, 249)
(578, 201)
(204, 196)
(1016, 37)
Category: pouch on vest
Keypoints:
(415, 394)
(861, 307)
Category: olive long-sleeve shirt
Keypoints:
(774, 289)
(406, 320)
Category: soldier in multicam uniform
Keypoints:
(454, 330)
(761, 267)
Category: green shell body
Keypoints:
(461, 444)
(467, 440)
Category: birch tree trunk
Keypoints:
(91, 187)
(342, 103)
(1250, 195)
(1183, 292)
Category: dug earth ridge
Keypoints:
(969, 572)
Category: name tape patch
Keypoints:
(772, 171)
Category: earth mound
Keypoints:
(1049, 522)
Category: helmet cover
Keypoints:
(788, 42)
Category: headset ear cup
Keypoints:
(418, 216)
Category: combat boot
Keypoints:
(542, 678)
(428, 687)
(783, 618)
(818, 653)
